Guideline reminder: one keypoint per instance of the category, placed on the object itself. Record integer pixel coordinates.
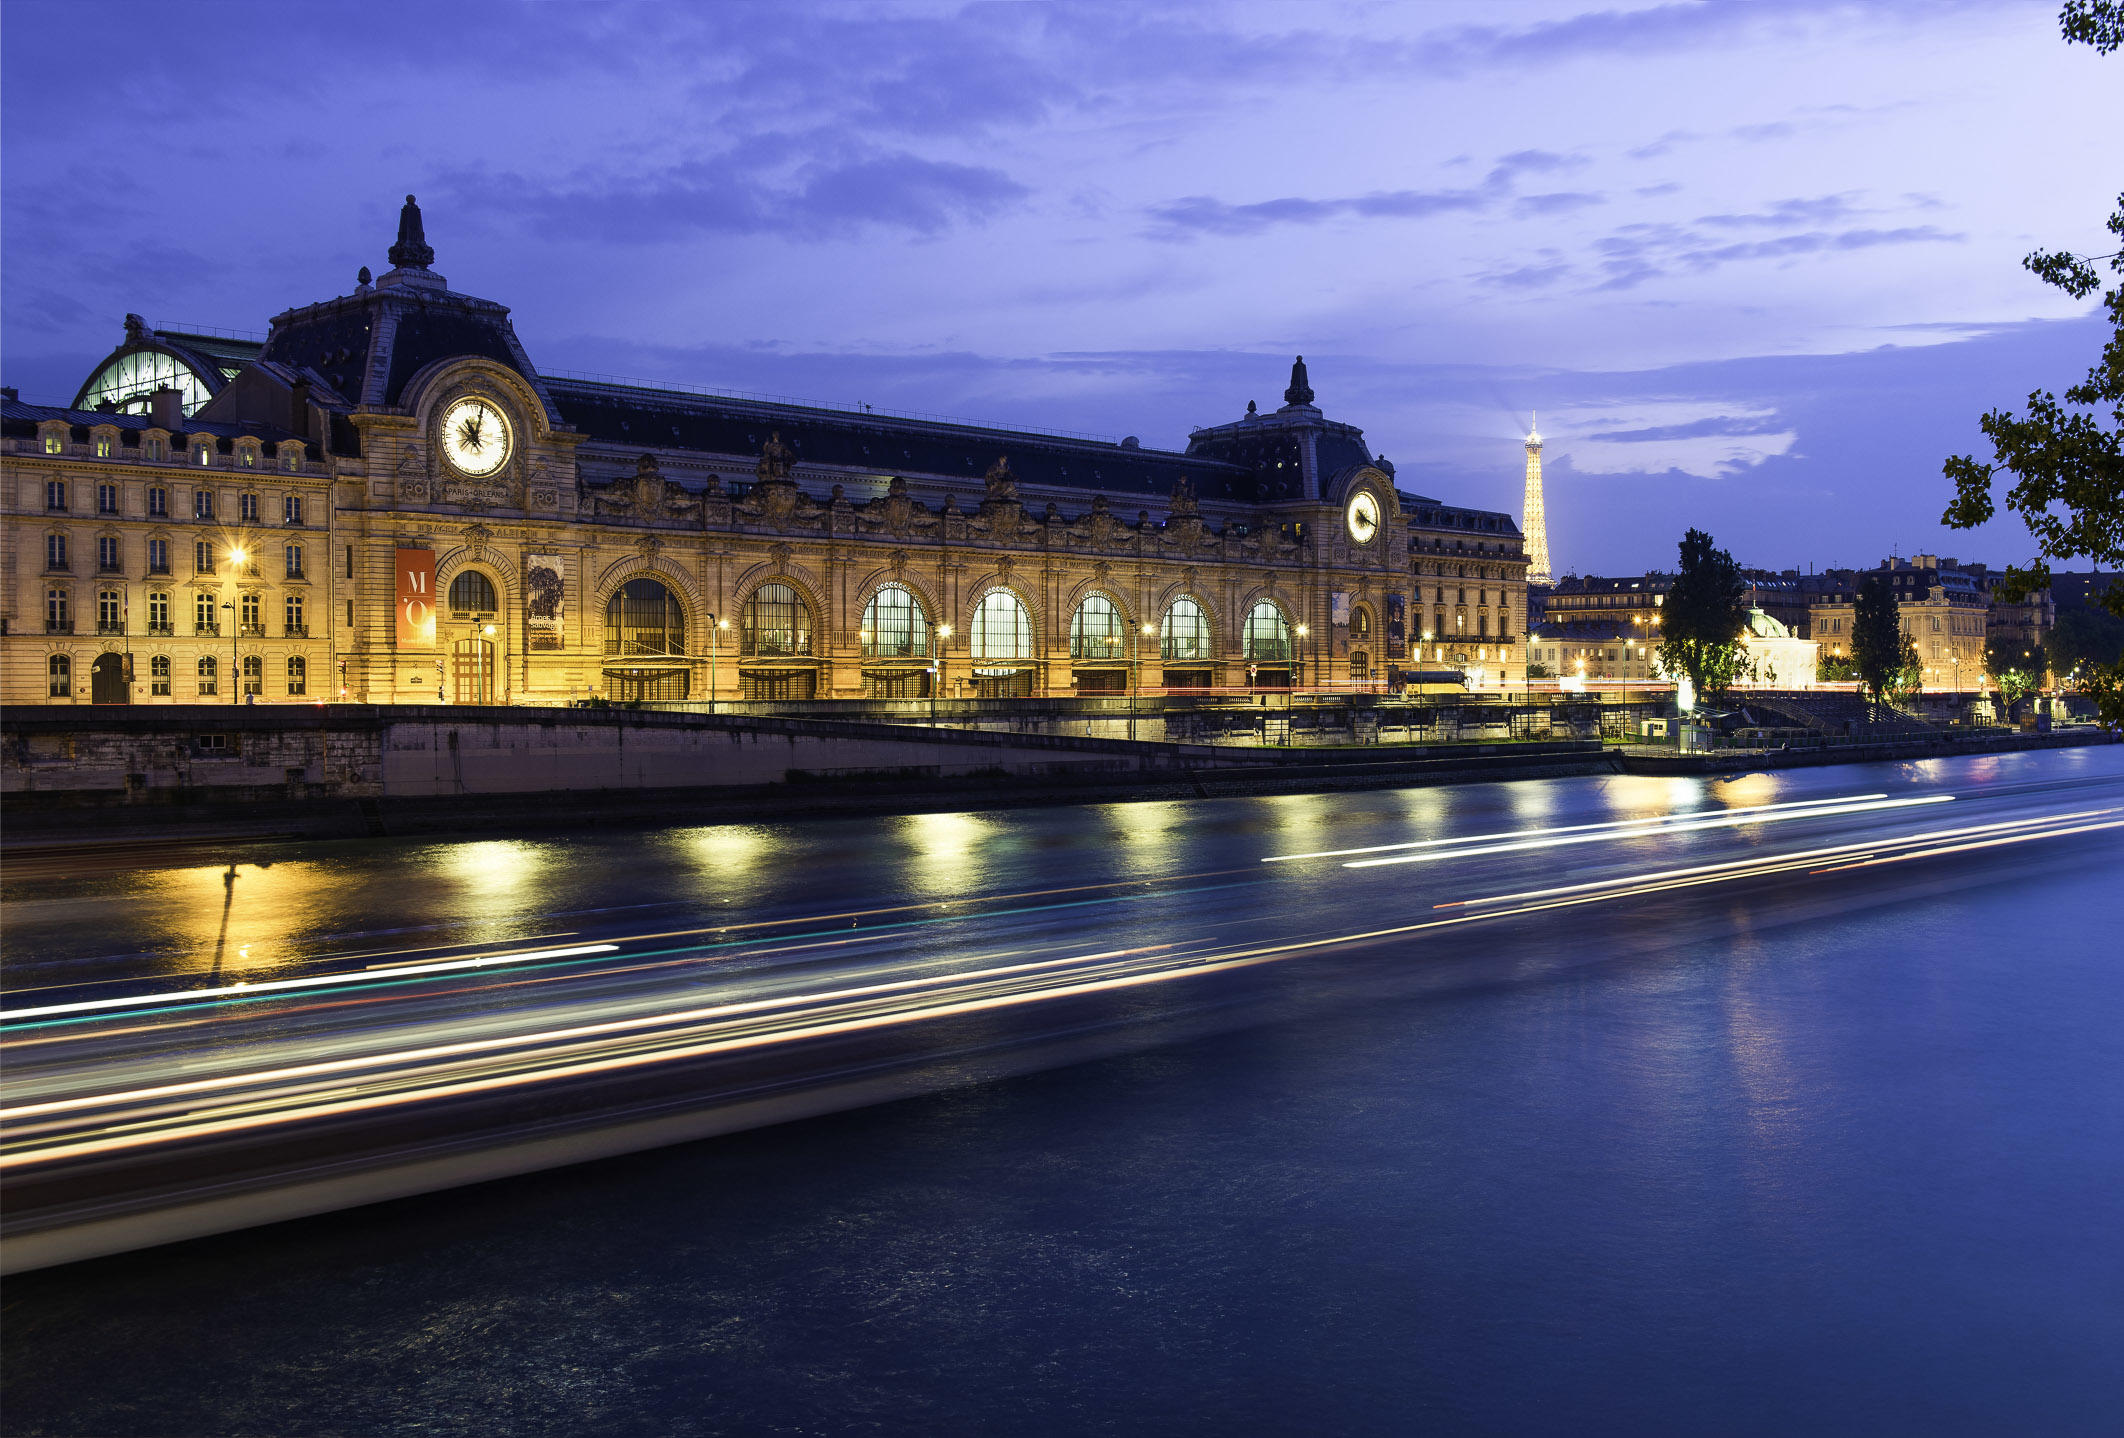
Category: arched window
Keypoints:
(1185, 632)
(61, 670)
(130, 381)
(643, 617)
(1360, 623)
(470, 593)
(1095, 630)
(894, 626)
(1267, 635)
(209, 675)
(776, 621)
(1001, 627)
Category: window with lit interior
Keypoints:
(894, 626)
(1001, 627)
(1268, 635)
(1184, 632)
(470, 593)
(643, 617)
(130, 381)
(1095, 630)
(776, 621)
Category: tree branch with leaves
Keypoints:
(2066, 463)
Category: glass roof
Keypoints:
(131, 378)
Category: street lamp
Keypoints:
(1135, 678)
(715, 626)
(1302, 632)
(937, 636)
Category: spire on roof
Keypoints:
(412, 250)
(1300, 392)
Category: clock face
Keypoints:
(475, 437)
(1362, 517)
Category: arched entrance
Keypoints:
(472, 671)
(107, 684)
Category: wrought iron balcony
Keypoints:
(775, 643)
(110, 626)
(211, 629)
(58, 626)
(165, 629)
(251, 629)
(298, 631)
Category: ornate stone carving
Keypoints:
(1002, 484)
(898, 563)
(782, 554)
(649, 546)
(776, 460)
(413, 476)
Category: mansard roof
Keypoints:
(22, 418)
(668, 420)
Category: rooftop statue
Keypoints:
(1300, 391)
(412, 250)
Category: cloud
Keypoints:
(1639, 252)
(1784, 213)
(1709, 439)
(769, 185)
(1203, 214)
(1663, 144)
(1562, 202)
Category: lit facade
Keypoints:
(423, 515)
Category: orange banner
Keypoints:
(416, 599)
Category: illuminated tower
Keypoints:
(1534, 523)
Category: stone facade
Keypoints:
(630, 543)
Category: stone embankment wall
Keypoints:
(455, 767)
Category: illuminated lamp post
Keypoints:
(235, 683)
(937, 636)
(1135, 678)
(715, 627)
(1314, 664)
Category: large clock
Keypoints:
(475, 437)
(1362, 517)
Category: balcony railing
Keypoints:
(110, 626)
(1268, 651)
(298, 631)
(1098, 646)
(251, 629)
(209, 630)
(102, 568)
(58, 626)
(775, 643)
(165, 629)
(892, 647)
(158, 569)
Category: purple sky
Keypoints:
(1756, 265)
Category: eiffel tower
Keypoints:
(1534, 523)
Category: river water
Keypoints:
(1853, 1169)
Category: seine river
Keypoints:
(1792, 1159)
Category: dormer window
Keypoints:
(103, 446)
(152, 447)
(247, 455)
(291, 457)
(203, 452)
(54, 442)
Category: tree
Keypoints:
(2069, 469)
(1834, 669)
(2084, 639)
(1702, 620)
(1879, 648)
(2014, 671)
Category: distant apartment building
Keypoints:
(1943, 607)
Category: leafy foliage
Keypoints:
(1878, 643)
(1834, 669)
(2084, 637)
(1701, 623)
(2068, 468)
(2099, 23)
(2016, 672)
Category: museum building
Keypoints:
(386, 502)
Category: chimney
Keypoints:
(299, 408)
(166, 408)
